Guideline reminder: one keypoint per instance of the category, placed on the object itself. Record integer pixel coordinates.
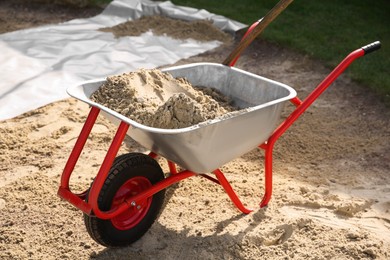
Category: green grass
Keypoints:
(326, 30)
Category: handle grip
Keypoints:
(371, 47)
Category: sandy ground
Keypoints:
(331, 179)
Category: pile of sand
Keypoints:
(200, 30)
(157, 99)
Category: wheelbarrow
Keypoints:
(128, 191)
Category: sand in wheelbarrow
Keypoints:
(157, 99)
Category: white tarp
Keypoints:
(37, 65)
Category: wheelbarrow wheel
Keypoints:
(129, 175)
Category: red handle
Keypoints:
(323, 86)
(301, 107)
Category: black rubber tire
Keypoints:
(124, 168)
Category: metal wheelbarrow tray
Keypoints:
(206, 146)
(128, 191)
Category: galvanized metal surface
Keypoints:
(207, 146)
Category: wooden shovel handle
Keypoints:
(267, 19)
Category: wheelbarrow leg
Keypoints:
(229, 190)
(267, 174)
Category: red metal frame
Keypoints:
(91, 207)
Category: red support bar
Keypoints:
(105, 168)
(267, 176)
(75, 154)
(74, 199)
(263, 146)
(172, 167)
(160, 186)
(64, 190)
(210, 178)
(229, 190)
(296, 101)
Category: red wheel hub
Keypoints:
(131, 217)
